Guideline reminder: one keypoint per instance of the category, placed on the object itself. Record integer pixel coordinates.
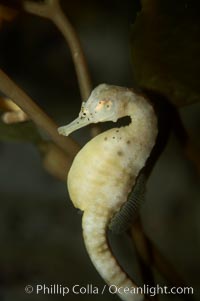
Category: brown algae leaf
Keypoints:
(166, 49)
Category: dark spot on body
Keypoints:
(128, 142)
(106, 138)
(117, 131)
(120, 153)
(113, 137)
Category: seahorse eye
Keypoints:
(84, 111)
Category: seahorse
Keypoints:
(105, 170)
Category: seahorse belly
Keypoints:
(100, 173)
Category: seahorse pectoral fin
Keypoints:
(73, 126)
(127, 215)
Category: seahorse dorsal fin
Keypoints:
(129, 212)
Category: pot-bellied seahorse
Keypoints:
(105, 170)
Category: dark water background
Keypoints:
(40, 230)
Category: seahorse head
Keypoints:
(106, 103)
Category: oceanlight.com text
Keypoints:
(90, 289)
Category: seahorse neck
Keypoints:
(143, 125)
(137, 115)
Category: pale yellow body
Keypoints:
(104, 166)
(104, 172)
